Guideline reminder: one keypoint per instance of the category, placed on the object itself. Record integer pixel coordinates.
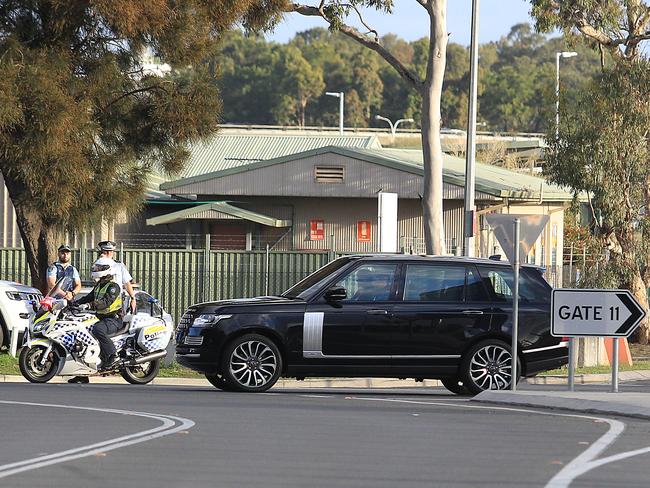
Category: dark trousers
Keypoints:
(101, 329)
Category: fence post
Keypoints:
(266, 272)
(571, 265)
(206, 268)
(122, 251)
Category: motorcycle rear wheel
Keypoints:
(29, 363)
(142, 373)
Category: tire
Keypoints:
(28, 359)
(251, 363)
(141, 374)
(487, 366)
(455, 385)
(218, 381)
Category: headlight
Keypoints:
(208, 320)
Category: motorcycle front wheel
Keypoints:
(141, 374)
(32, 366)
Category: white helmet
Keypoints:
(102, 267)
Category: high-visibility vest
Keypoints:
(100, 292)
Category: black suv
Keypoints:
(384, 316)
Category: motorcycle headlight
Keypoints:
(209, 320)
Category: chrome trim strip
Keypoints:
(312, 334)
(561, 344)
(188, 355)
(320, 355)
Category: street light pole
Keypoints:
(565, 54)
(470, 150)
(393, 127)
(341, 97)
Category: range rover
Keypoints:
(401, 316)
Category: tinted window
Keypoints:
(369, 283)
(501, 280)
(434, 283)
(315, 278)
(475, 289)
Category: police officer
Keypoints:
(63, 268)
(121, 275)
(106, 300)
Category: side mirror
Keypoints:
(336, 294)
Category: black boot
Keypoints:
(79, 379)
(110, 362)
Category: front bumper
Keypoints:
(199, 348)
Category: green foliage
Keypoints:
(516, 80)
(82, 123)
(603, 150)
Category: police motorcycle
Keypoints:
(59, 341)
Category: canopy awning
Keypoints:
(217, 211)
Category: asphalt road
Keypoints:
(183, 437)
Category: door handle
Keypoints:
(473, 312)
(377, 312)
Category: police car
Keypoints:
(15, 307)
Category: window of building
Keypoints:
(329, 174)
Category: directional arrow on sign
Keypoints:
(603, 313)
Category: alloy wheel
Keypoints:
(253, 364)
(491, 368)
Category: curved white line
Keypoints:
(168, 426)
(580, 465)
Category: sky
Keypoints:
(409, 21)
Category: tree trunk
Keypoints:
(432, 206)
(39, 237)
(633, 280)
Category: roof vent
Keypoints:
(329, 174)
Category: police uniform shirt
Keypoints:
(120, 274)
(59, 270)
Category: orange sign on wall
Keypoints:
(363, 230)
(317, 230)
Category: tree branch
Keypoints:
(374, 44)
(134, 92)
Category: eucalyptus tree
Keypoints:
(83, 122)
(428, 85)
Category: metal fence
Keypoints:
(180, 278)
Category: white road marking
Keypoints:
(582, 464)
(169, 425)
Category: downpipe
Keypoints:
(147, 358)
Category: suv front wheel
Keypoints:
(488, 366)
(251, 363)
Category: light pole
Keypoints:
(470, 150)
(393, 127)
(565, 54)
(341, 97)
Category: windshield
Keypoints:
(62, 286)
(316, 277)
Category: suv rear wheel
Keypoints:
(488, 366)
(251, 363)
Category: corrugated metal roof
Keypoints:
(218, 208)
(225, 151)
(508, 183)
(493, 180)
(232, 150)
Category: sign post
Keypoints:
(515, 310)
(600, 313)
(525, 232)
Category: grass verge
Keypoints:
(9, 366)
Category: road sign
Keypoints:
(531, 228)
(602, 313)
